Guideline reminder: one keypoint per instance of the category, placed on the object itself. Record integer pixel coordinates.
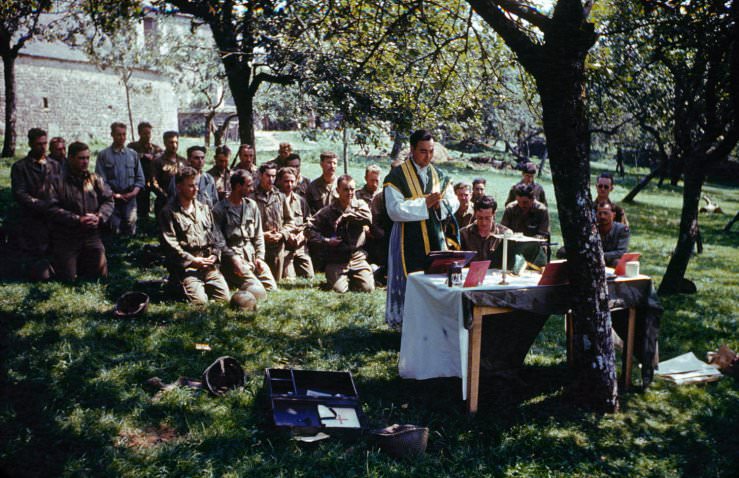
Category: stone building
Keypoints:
(60, 90)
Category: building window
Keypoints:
(150, 29)
(46, 103)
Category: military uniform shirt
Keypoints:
(242, 229)
(319, 194)
(120, 169)
(186, 235)
(534, 223)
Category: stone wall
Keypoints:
(79, 102)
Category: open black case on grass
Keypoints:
(309, 401)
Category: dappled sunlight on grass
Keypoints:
(75, 400)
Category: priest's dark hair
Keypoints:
(420, 135)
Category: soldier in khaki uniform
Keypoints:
(527, 177)
(297, 261)
(166, 167)
(301, 182)
(192, 243)
(221, 172)
(147, 152)
(80, 203)
(321, 189)
(240, 221)
(29, 179)
(246, 159)
(371, 186)
(283, 153)
(339, 230)
(480, 235)
(276, 218)
(531, 218)
(465, 214)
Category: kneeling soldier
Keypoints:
(239, 220)
(192, 243)
(80, 203)
(338, 231)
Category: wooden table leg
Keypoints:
(629, 349)
(473, 360)
(569, 334)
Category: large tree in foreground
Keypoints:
(553, 50)
(20, 20)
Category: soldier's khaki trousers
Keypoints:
(257, 284)
(358, 277)
(299, 263)
(199, 285)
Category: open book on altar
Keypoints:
(438, 262)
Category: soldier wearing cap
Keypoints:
(192, 243)
(527, 177)
(339, 231)
(240, 221)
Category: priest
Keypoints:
(417, 199)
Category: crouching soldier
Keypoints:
(192, 243)
(338, 232)
(240, 222)
(80, 203)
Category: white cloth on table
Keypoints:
(434, 342)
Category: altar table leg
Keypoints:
(629, 349)
(473, 360)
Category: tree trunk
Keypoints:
(566, 129)
(731, 223)
(10, 105)
(643, 183)
(345, 141)
(673, 280)
(223, 129)
(245, 111)
(398, 141)
(209, 127)
(126, 78)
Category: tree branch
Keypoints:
(279, 79)
(522, 45)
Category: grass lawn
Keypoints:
(73, 400)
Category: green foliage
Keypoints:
(408, 63)
(73, 400)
